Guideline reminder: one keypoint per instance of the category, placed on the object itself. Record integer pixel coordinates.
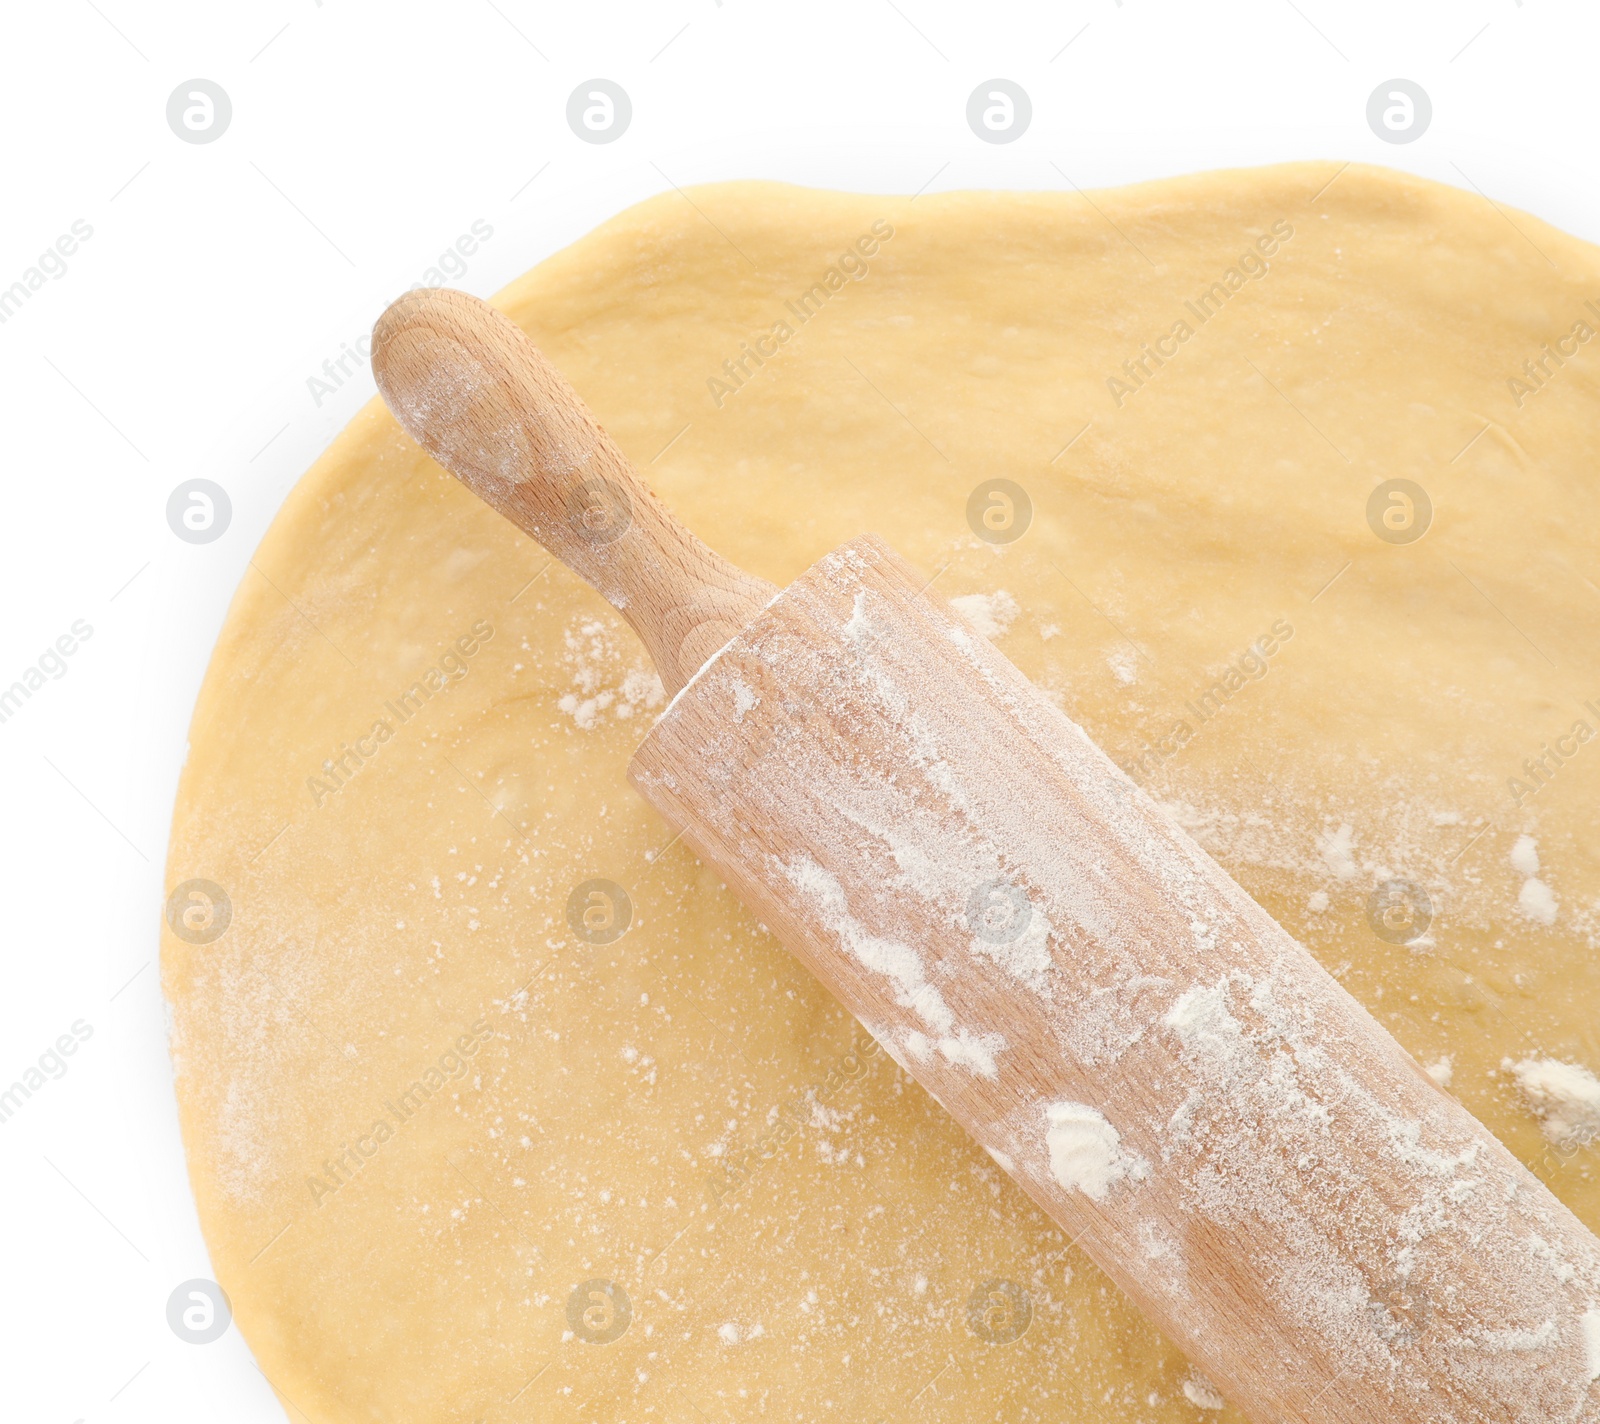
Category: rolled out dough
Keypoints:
(463, 1155)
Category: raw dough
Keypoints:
(422, 1111)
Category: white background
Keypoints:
(364, 139)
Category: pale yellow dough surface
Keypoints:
(588, 1133)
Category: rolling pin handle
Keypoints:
(469, 387)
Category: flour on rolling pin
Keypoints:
(1187, 1090)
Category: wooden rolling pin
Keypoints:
(1176, 1081)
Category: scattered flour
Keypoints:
(1443, 1072)
(902, 966)
(964, 1050)
(1536, 899)
(1086, 1152)
(974, 1051)
(1201, 1393)
(744, 699)
(1124, 666)
(858, 627)
(731, 1332)
(990, 614)
(600, 681)
(1318, 903)
(1566, 1097)
(1335, 848)
(1591, 1341)
(1203, 1023)
(1525, 855)
(1521, 1341)
(1026, 955)
(897, 962)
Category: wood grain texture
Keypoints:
(1171, 1076)
(478, 396)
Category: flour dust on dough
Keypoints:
(474, 1136)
